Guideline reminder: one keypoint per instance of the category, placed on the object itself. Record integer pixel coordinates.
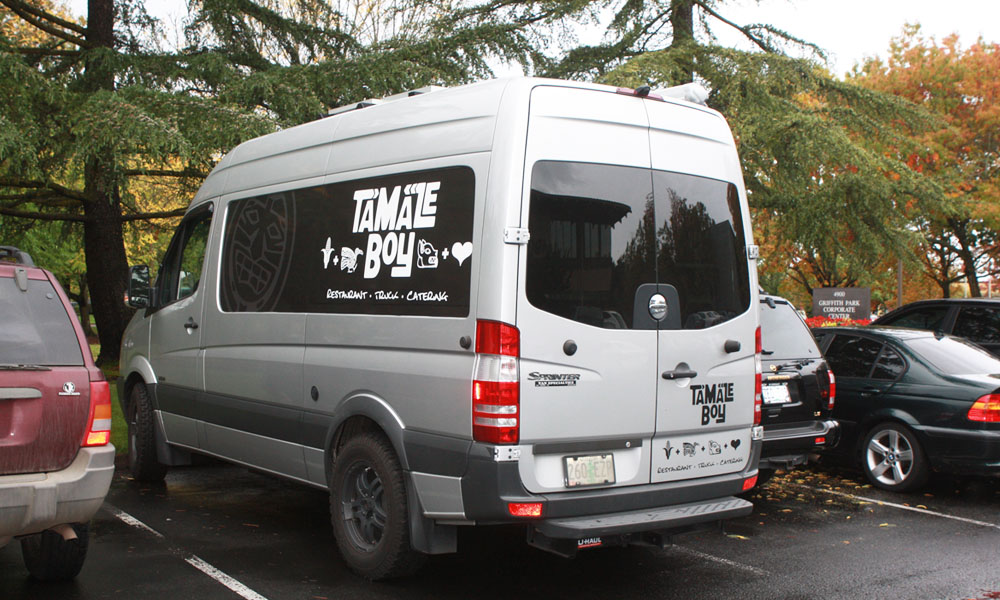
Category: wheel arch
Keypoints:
(360, 412)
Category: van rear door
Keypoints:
(705, 388)
(587, 372)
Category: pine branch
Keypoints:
(185, 173)
(46, 52)
(46, 15)
(40, 216)
(166, 214)
(26, 12)
(744, 30)
(44, 185)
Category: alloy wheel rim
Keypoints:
(890, 457)
(363, 506)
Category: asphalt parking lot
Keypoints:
(220, 531)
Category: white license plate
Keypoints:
(775, 393)
(598, 469)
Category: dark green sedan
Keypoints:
(911, 401)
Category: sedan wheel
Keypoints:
(893, 459)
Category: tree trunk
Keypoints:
(84, 304)
(966, 253)
(682, 22)
(103, 241)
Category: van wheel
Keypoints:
(893, 459)
(369, 511)
(142, 461)
(50, 557)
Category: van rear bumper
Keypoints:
(489, 486)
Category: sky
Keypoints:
(849, 30)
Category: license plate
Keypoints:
(775, 393)
(598, 469)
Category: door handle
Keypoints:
(680, 374)
(190, 324)
(869, 390)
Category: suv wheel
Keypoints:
(142, 461)
(893, 459)
(369, 511)
(50, 557)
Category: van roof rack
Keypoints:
(375, 101)
(10, 254)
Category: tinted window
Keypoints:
(784, 334)
(35, 328)
(979, 324)
(954, 356)
(852, 356)
(890, 365)
(702, 249)
(930, 318)
(181, 270)
(394, 245)
(592, 241)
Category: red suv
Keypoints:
(56, 460)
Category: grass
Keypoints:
(119, 429)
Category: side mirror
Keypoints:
(138, 287)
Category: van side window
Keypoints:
(397, 244)
(182, 266)
(592, 241)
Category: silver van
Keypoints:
(519, 301)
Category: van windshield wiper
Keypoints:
(23, 367)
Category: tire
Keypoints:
(893, 459)
(368, 509)
(142, 462)
(49, 557)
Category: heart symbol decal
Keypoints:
(735, 444)
(461, 251)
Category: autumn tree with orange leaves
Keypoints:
(959, 237)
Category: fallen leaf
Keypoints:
(738, 537)
(886, 525)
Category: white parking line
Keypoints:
(723, 561)
(230, 582)
(902, 506)
(224, 579)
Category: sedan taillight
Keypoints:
(986, 409)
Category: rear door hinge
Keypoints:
(753, 252)
(516, 235)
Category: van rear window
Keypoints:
(598, 232)
(395, 245)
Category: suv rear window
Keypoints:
(783, 333)
(35, 328)
(598, 232)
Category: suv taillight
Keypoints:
(758, 368)
(828, 388)
(496, 396)
(986, 409)
(99, 424)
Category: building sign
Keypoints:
(842, 303)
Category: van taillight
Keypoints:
(986, 409)
(758, 368)
(496, 401)
(99, 423)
